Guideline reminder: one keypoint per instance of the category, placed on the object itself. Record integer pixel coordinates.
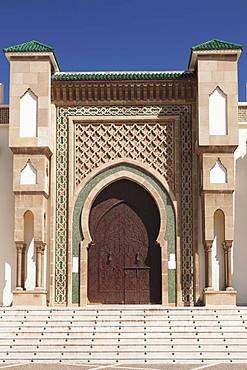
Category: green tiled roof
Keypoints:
(72, 76)
(30, 46)
(216, 44)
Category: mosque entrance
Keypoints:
(124, 260)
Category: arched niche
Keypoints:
(217, 251)
(28, 114)
(218, 173)
(30, 273)
(217, 113)
(28, 175)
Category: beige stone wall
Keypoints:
(30, 73)
(217, 71)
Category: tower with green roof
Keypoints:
(31, 140)
(216, 65)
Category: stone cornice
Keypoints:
(32, 150)
(70, 93)
(216, 148)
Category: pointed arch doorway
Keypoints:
(124, 259)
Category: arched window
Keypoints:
(30, 273)
(217, 251)
(28, 114)
(217, 113)
(218, 174)
(28, 174)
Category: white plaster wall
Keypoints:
(30, 251)
(7, 246)
(240, 220)
(217, 113)
(218, 252)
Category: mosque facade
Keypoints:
(123, 187)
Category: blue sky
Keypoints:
(123, 35)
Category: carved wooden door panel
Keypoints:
(106, 257)
(124, 260)
(136, 243)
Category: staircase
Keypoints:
(123, 335)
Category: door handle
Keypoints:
(109, 258)
(137, 258)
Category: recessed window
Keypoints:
(217, 113)
(218, 174)
(28, 114)
(28, 175)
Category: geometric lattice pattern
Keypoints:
(165, 148)
(151, 143)
(242, 113)
(61, 212)
(186, 208)
(4, 115)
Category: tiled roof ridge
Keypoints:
(115, 75)
(29, 46)
(216, 44)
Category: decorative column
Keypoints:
(208, 263)
(227, 245)
(40, 249)
(20, 249)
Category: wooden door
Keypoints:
(124, 223)
(136, 272)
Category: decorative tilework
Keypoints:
(152, 143)
(184, 111)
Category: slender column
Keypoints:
(208, 263)
(40, 248)
(43, 267)
(20, 248)
(227, 245)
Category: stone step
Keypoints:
(147, 334)
(7, 331)
(121, 323)
(121, 319)
(78, 312)
(126, 362)
(119, 347)
(62, 335)
(135, 355)
(75, 341)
